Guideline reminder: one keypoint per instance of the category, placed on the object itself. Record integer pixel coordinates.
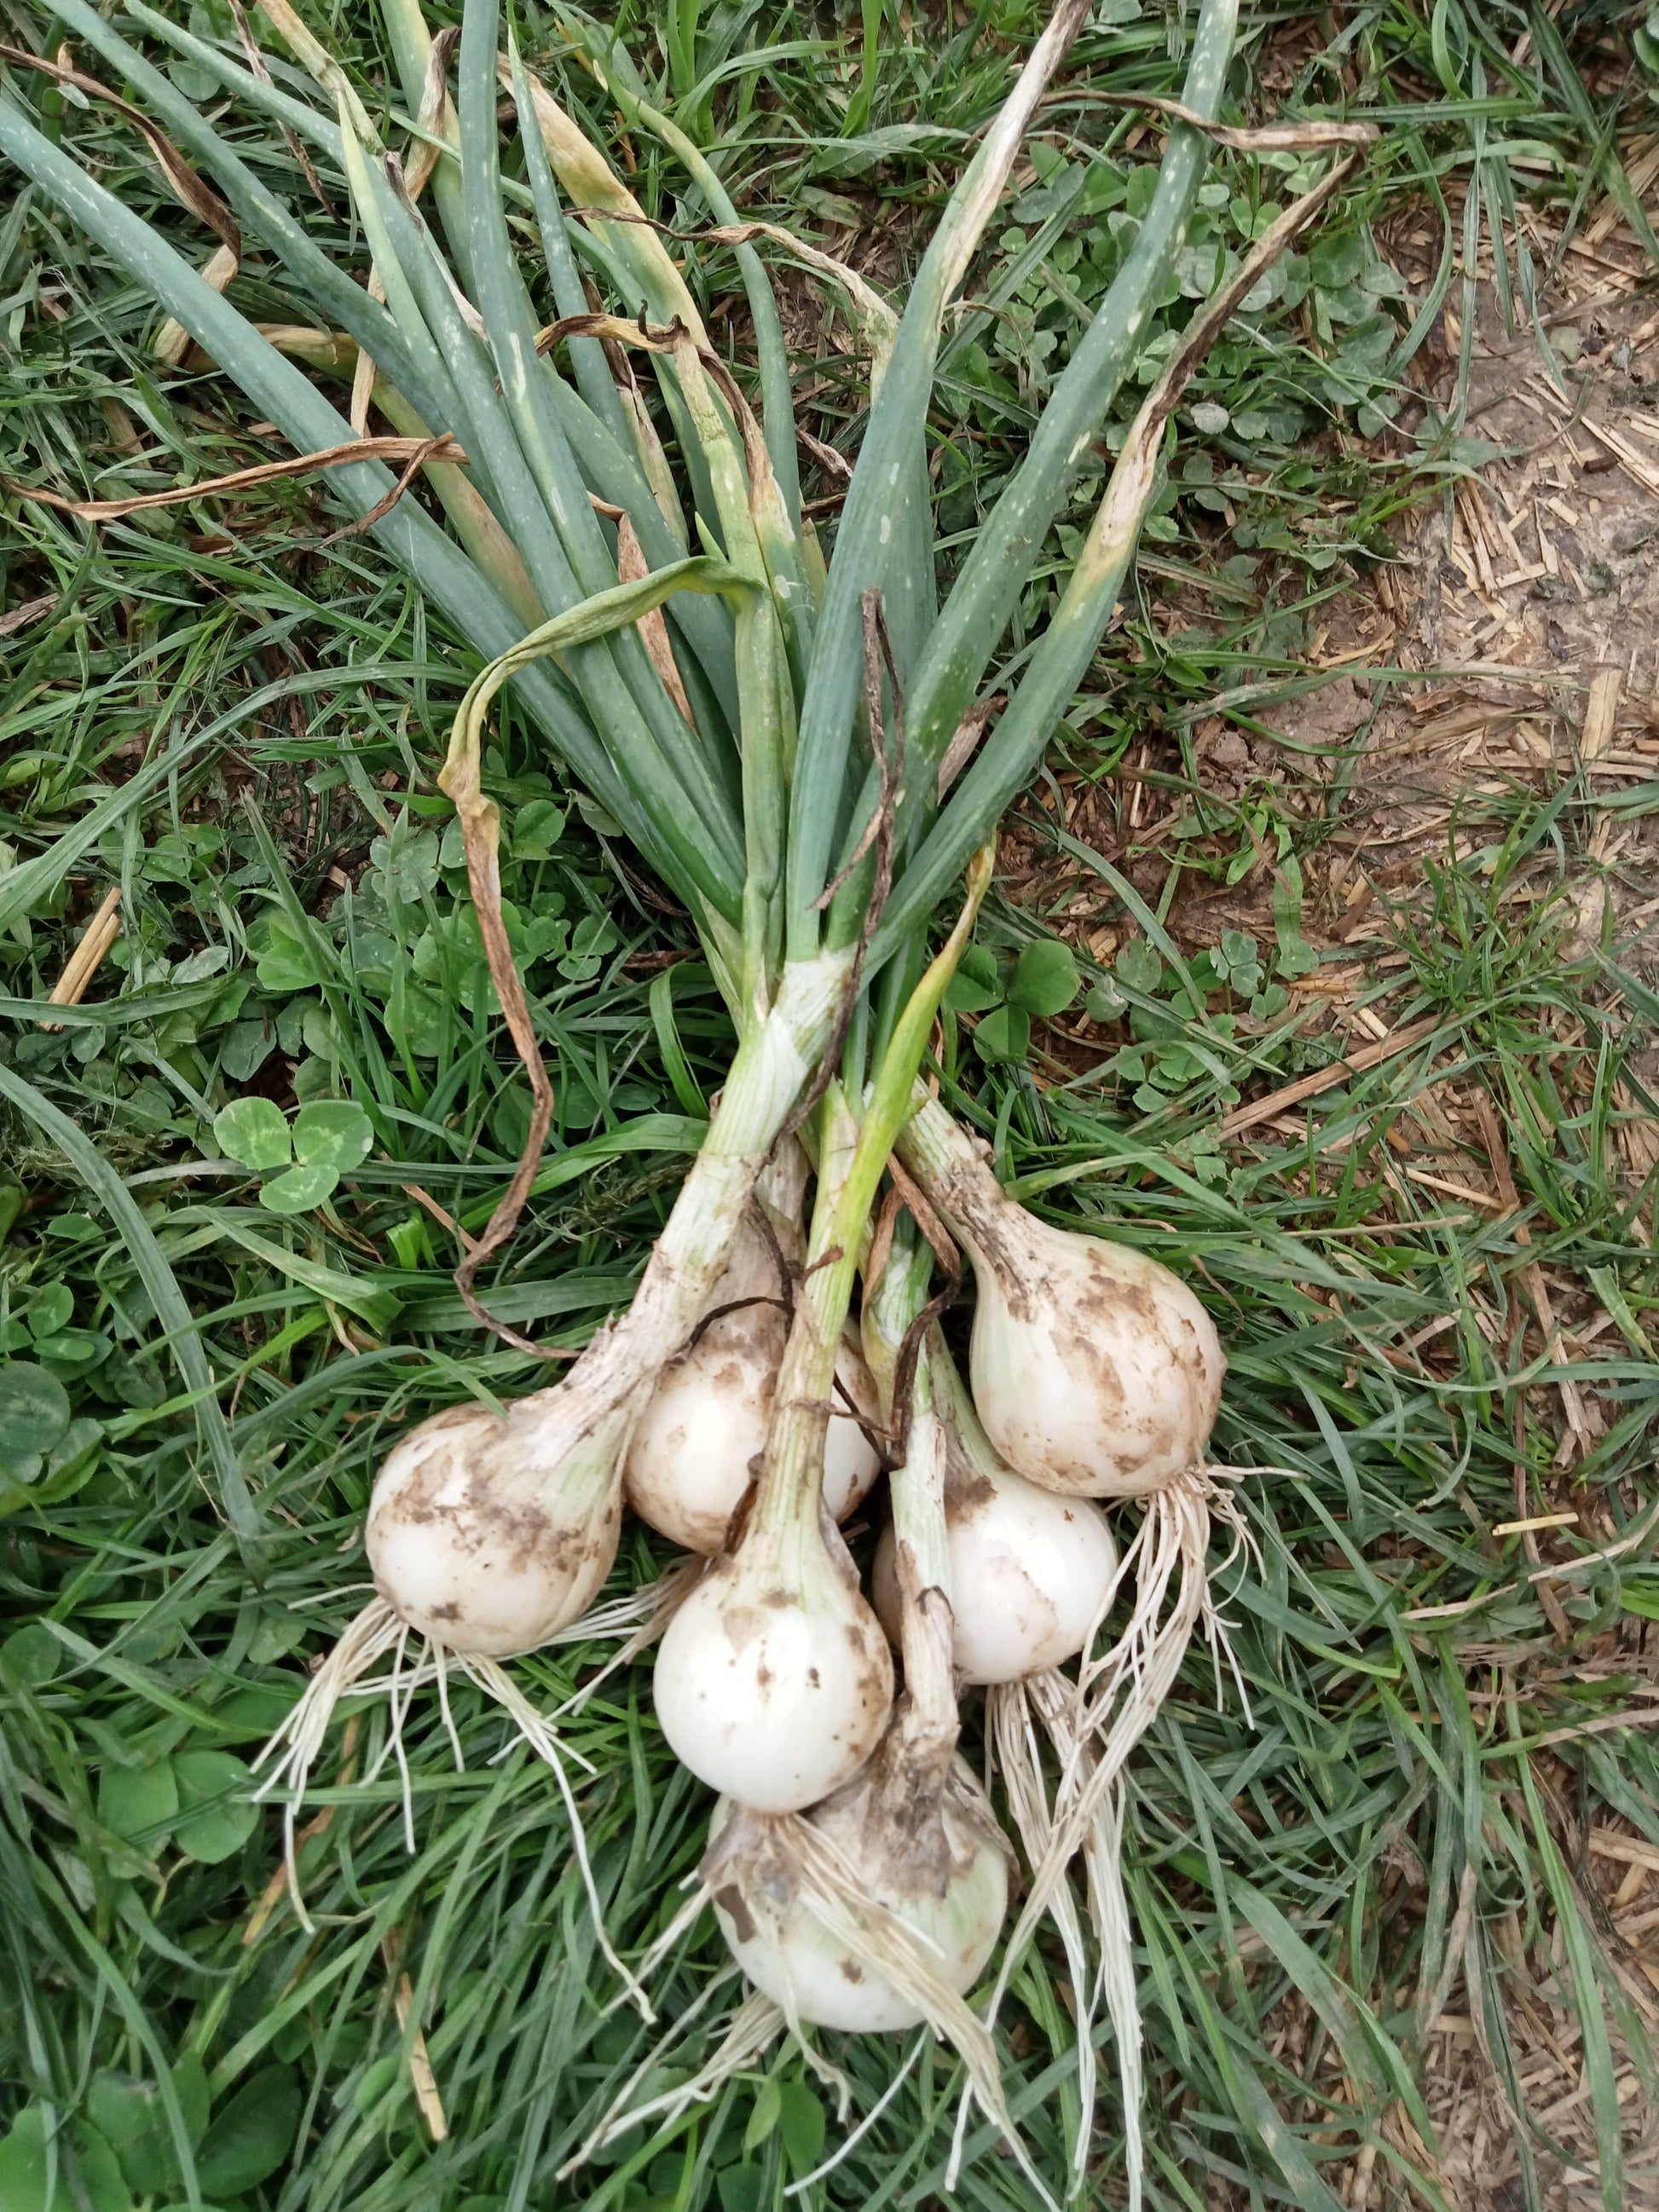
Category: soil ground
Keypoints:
(1516, 642)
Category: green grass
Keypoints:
(295, 917)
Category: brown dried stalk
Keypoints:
(99, 933)
(1265, 138)
(415, 451)
(480, 820)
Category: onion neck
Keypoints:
(890, 1305)
(925, 1724)
(927, 1720)
(962, 1419)
(781, 1194)
(767, 1076)
(954, 1174)
(785, 1513)
(852, 1159)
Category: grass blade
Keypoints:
(1585, 1978)
(158, 1279)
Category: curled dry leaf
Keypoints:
(632, 567)
(205, 204)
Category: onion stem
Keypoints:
(791, 1475)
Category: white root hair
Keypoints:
(753, 2025)
(1102, 1860)
(831, 2075)
(699, 1895)
(1051, 1698)
(1120, 1693)
(494, 1679)
(848, 2144)
(1095, 1725)
(376, 1630)
(1010, 1725)
(638, 1617)
(395, 1737)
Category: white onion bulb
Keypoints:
(1029, 1572)
(488, 1534)
(773, 1680)
(950, 1888)
(689, 1459)
(1096, 1371)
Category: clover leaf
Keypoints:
(1237, 960)
(327, 1141)
(1009, 994)
(35, 1417)
(1004, 1034)
(333, 1133)
(1045, 979)
(1140, 967)
(593, 936)
(253, 1131)
(299, 1190)
(974, 989)
(284, 962)
(536, 829)
(249, 2138)
(216, 1815)
(131, 2115)
(404, 864)
(50, 1311)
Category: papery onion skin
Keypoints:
(791, 1958)
(774, 1684)
(489, 1535)
(1030, 1573)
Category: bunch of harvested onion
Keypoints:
(803, 757)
